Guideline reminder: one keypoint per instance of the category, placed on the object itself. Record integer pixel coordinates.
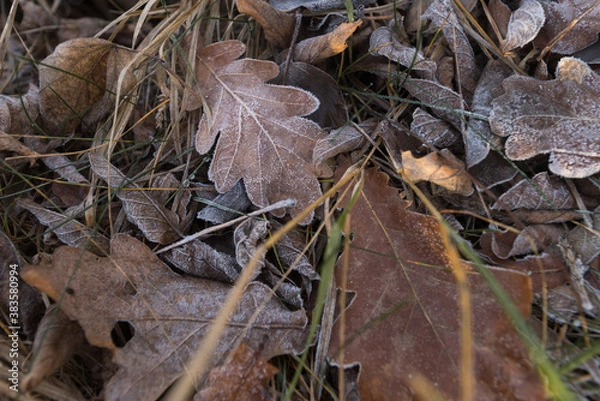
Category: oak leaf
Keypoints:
(543, 191)
(263, 140)
(405, 320)
(167, 314)
(278, 26)
(537, 120)
(524, 24)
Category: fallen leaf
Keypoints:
(532, 239)
(19, 114)
(80, 78)
(243, 377)
(441, 168)
(158, 223)
(543, 191)
(166, 314)
(315, 5)
(278, 26)
(405, 319)
(332, 111)
(341, 140)
(585, 241)
(67, 229)
(578, 19)
(263, 140)
(317, 49)
(432, 131)
(384, 43)
(226, 206)
(57, 340)
(524, 24)
(500, 13)
(11, 144)
(537, 120)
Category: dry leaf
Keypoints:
(243, 377)
(314, 50)
(315, 5)
(580, 19)
(278, 26)
(532, 239)
(524, 25)
(11, 144)
(57, 340)
(262, 138)
(383, 42)
(226, 206)
(585, 241)
(167, 314)
(442, 169)
(158, 223)
(500, 13)
(67, 229)
(543, 191)
(332, 111)
(405, 317)
(341, 140)
(19, 114)
(431, 130)
(442, 15)
(79, 79)
(537, 120)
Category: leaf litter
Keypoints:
(140, 168)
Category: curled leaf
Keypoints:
(314, 50)
(524, 25)
(446, 171)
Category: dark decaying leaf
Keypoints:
(199, 259)
(278, 26)
(500, 13)
(158, 223)
(341, 140)
(57, 339)
(478, 136)
(316, 49)
(80, 78)
(543, 191)
(315, 5)
(243, 377)
(580, 19)
(332, 111)
(524, 24)
(536, 119)
(405, 319)
(263, 140)
(226, 206)
(167, 314)
(67, 229)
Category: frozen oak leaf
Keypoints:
(535, 117)
(525, 23)
(167, 314)
(263, 138)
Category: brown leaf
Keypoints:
(314, 50)
(332, 111)
(341, 140)
(524, 25)
(441, 169)
(11, 144)
(80, 78)
(57, 339)
(18, 114)
(405, 318)
(67, 229)
(580, 18)
(262, 138)
(543, 191)
(226, 206)
(537, 120)
(167, 314)
(431, 130)
(158, 223)
(315, 5)
(243, 377)
(385, 43)
(533, 238)
(585, 241)
(501, 13)
(278, 26)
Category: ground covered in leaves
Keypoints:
(300, 199)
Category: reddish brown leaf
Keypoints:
(405, 320)
(263, 140)
(314, 50)
(533, 238)
(278, 26)
(442, 169)
(537, 120)
(243, 377)
(167, 314)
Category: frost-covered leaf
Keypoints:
(225, 206)
(578, 19)
(263, 140)
(537, 118)
(341, 140)
(168, 315)
(432, 130)
(68, 230)
(500, 13)
(384, 43)
(442, 15)
(319, 48)
(158, 223)
(315, 5)
(585, 241)
(478, 135)
(533, 238)
(445, 171)
(543, 191)
(525, 23)
(278, 26)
